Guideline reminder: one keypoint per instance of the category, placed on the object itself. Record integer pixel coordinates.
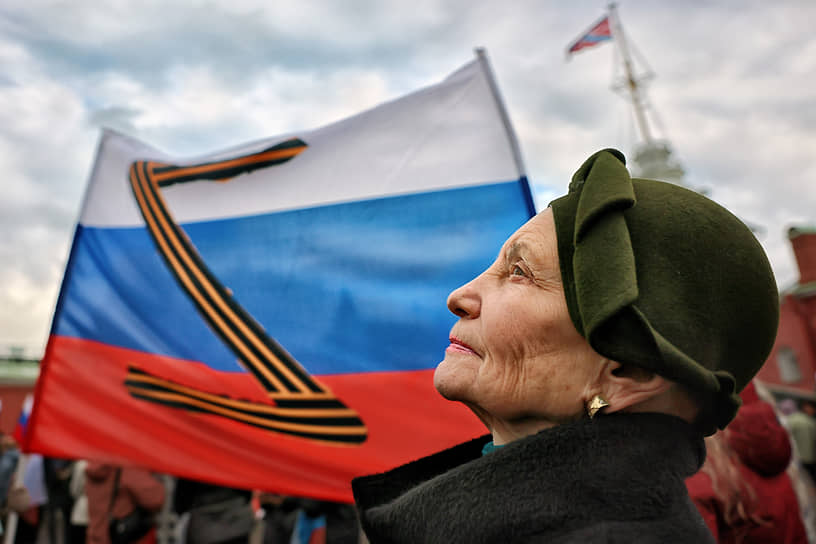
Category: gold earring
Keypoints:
(596, 404)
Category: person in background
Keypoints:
(279, 517)
(743, 490)
(116, 492)
(214, 514)
(9, 459)
(78, 526)
(802, 426)
(295, 520)
(57, 474)
(802, 482)
(33, 497)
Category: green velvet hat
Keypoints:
(661, 277)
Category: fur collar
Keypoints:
(619, 467)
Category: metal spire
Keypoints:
(652, 157)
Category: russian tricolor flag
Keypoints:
(21, 426)
(597, 33)
(270, 316)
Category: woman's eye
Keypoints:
(518, 271)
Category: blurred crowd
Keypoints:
(756, 486)
(77, 501)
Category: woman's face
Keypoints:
(515, 355)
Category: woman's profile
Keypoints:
(613, 332)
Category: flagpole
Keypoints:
(631, 82)
(481, 54)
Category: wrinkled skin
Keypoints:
(515, 357)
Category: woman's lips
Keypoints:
(457, 346)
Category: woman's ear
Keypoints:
(625, 387)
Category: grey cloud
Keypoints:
(119, 118)
(235, 45)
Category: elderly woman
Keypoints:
(614, 330)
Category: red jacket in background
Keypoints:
(136, 487)
(764, 452)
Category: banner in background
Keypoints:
(270, 316)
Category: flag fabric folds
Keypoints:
(597, 34)
(269, 316)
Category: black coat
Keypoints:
(616, 479)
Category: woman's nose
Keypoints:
(465, 301)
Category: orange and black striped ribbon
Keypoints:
(286, 382)
(327, 420)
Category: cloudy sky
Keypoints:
(733, 92)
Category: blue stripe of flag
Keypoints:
(347, 288)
